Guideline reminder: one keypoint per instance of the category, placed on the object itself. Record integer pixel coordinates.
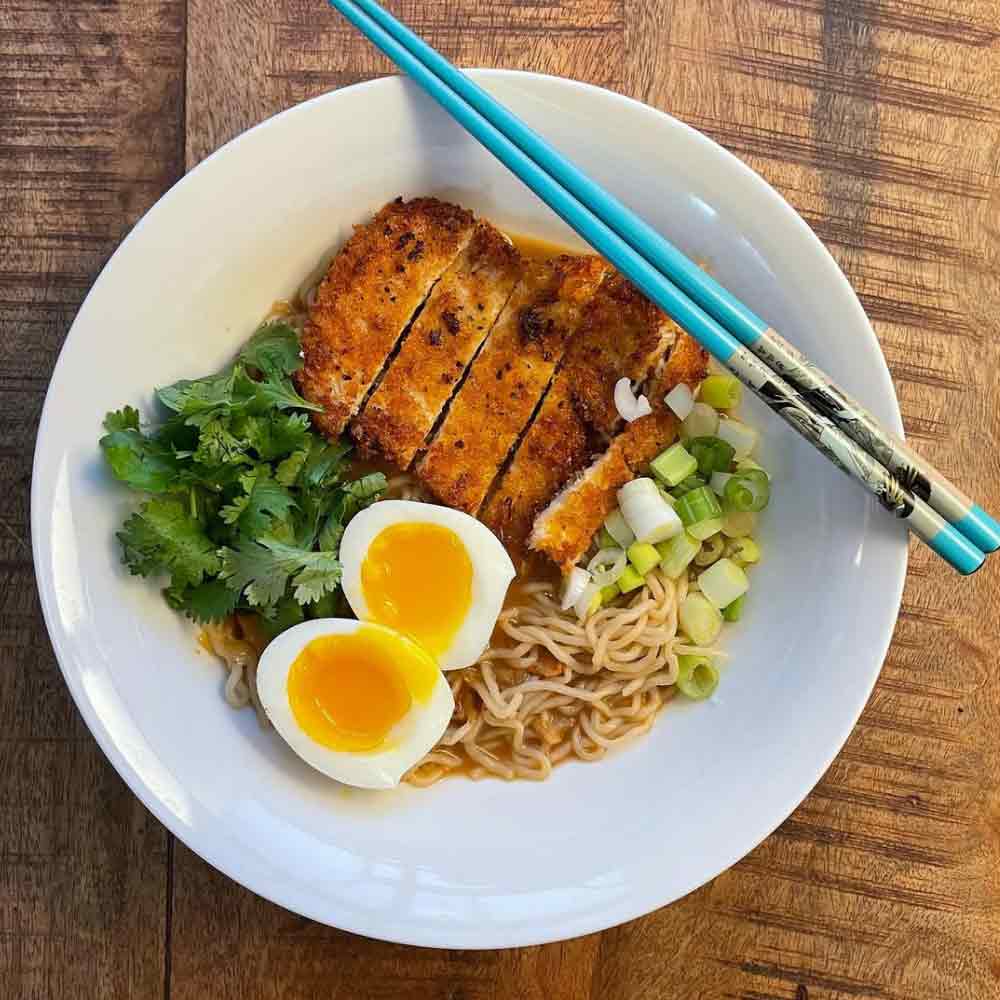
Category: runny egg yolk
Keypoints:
(347, 691)
(417, 579)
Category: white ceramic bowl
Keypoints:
(463, 864)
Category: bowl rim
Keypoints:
(212, 852)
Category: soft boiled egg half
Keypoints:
(356, 700)
(432, 573)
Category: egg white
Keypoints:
(492, 569)
(406, 743)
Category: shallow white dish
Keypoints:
(462, 864)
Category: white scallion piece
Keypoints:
(723, 582)
(680, 399)
(607, 566)
(617, 527)
(630, 407)
(576, 583)
(588, 601)
(742, 438)
(645, 511)
(702, 421)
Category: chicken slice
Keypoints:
(370, 293)
(565, 529)
(508, 378)
(621, 334)
(444, 338)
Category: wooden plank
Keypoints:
(90, 134)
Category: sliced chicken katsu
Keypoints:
(445, 336)
(565, 529)
(508, 378)
(369, 295)
(621, 334)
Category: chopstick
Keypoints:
(407, 51)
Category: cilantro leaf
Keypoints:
(276, 435)
(217, 445)
(323, 463)
(262, 499)
(351, 498)
(139, 461)
(286, 613)
(162, 536)
(207, 602)
(191, 396)
(261, 571)
(125, 419)
(288, 468)
(273, 349)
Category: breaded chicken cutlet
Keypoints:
(369, 295)
(445, 336)
(509, 376)
(491, 375)
(621, 334)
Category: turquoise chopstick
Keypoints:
(923, 521)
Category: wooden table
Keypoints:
(878, 120)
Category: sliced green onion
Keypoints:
(700, 621)
(734, 612)
(712, 549)
(700, 422)
(721, 391)
(705, 529)
(629, 580)
(666, 496)
(745, 464)
(616, 526)
(747, 491)
(689, 484)
(680, 399)
(609, 593)
(697, 677)
(742, 438)
(607, 565)
(643, 557)
(576, 583)
(713, 454)
(588, 602)
(743, 551)
(605, 540)
(718, 482)
(723, 582)
(649, 516)
(674, 465)
(676, 554)
(738, 524)
(700, 504)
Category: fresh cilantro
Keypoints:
(248, 503)
(275, 435)
(163, 537)
(273, 349)
(125, 419)
(262, 571)
(207, 602)
(136, 460)
(263, 499)
(288, 468)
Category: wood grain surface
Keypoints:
(878, 120)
